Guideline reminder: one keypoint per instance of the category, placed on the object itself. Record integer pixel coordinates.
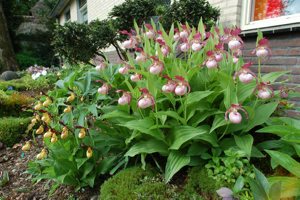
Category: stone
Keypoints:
(9, 75)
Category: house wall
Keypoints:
(285, 48)
(100, 10)
(73, 11)
(230, 11)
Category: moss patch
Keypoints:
(11, 129)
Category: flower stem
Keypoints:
(259, 70)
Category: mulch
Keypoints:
(20, 185)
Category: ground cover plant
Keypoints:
(187, 98)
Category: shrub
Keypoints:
(190, 11)
(26, 59)
(136, 183)
(11, 129)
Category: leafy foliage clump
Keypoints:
(11, 129)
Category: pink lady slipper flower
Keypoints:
(226, 36)
(141, 57)
(233, 115)
(131, 42)
(124, 69)
(125, 98)
(211, 62)
(176, 36)
(146, 99)
(160, 37)
(136, 77)
(170, 86)
(264, 90)
(157, 66)
(104, 88)
(182, 86)
(219, 49)
(184, 46)
(245, 74)
(165, 49)
(100, 66)
(150, 33)
(184, 34)
(235, 42)
(262, 49)
(196, 42)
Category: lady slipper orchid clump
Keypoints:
(157, 66)
(245, 74)
(182, 87)
(146, 100)
(160, 37)
(211, 61)
(150, 33)
(262, 49)
(235, 42)
(233, 115)
(164, 48)
(104, 88)
(264, 90)
(170, 86)
(225, 38)
(131, 42)
(136, 77)
(125, 98)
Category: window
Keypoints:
(269, 13)
(67, 16)
(82, 11)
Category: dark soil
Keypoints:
(20, 185)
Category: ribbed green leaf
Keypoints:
(280, 130)
(197, 96)
(289, 185)
(285, 161)
(148, 146)
(292, 138)
(218, 122)
(244, 143)
(175, 162)
(273, 76)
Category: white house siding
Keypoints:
(230, 11)
(73, 11)
(99, 9)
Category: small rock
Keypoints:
(9, 75)
(95, 197)
(1, 145)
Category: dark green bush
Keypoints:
(27, 59)
(11, 129)
(190, 11)
(136, 183)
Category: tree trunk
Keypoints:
(7, 55)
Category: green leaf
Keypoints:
(182, 134)
(148, 146)
(280, 130)
(239, 184)
(218, 122)
(176, 160)
(295, 138)
(244, 143)
(80, 161)
(197, 96)
(172, 114)
(285, 161)
(117, 114)
(144, 125)
(245, 90)
(87, 83)
(273, 76)
(261, 114)
(275, 191)
(289, 185)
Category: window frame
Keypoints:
(247, 24)
(68, 10)
(81, 10)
